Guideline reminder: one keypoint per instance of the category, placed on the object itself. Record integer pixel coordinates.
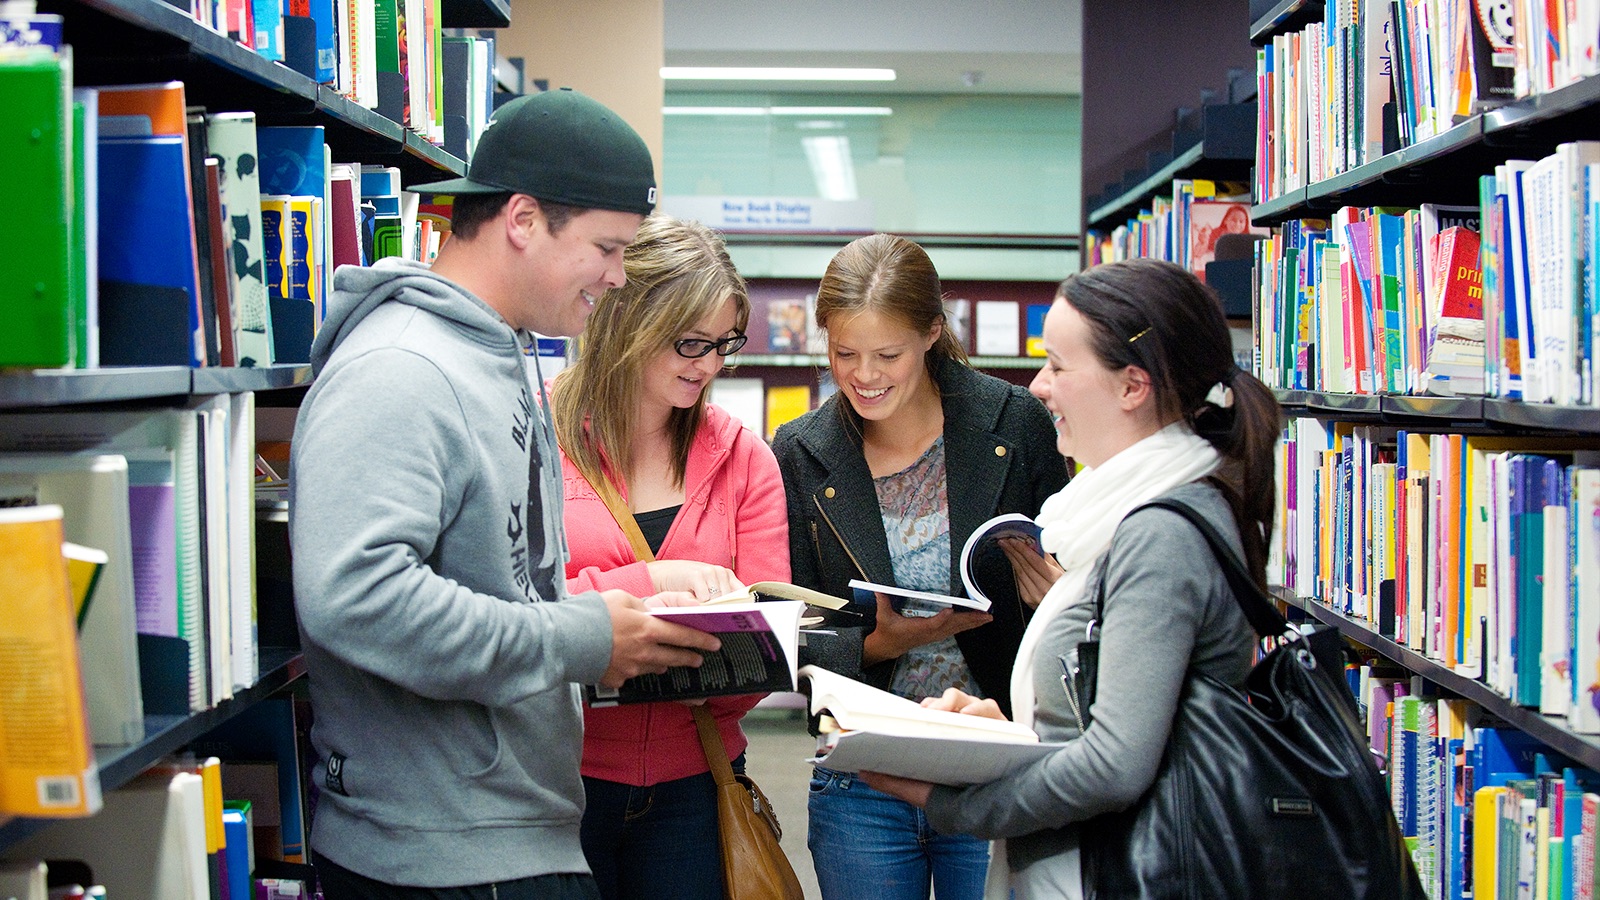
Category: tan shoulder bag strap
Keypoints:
(705, 723)
(625, 520)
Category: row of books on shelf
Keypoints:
(1380, 75)
(392, 56)
(1479, 552)
(167, 495)
(984, 327)
(1486, 811)
(161, 234)
(1183, 228)
(1498, 299)
(227, 819)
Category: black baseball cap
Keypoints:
(560, 146)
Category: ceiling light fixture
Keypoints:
(758, 73)
(777, 111)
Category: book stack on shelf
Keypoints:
(1439, 477)
(141, 318)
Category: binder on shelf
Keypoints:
(37, 325)
(231, 139)
(92, 490)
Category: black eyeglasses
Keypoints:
(694, 348)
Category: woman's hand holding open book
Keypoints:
(958, 701)
(896, 634)
(1034, 572)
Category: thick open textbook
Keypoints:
(866, 729)
(760, 646)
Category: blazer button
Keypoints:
(829, 492)
(999, 451)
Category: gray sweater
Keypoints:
(1168, 608)
(425, 517)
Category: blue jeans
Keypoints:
(867, 844)
(655, 841)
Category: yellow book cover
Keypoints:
(786, 402)
(84, 565)
(47, 765)
(1485, 838)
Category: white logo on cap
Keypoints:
(652, 197)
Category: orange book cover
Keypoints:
(163, 104)
(47, 764)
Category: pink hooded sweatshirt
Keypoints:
(733, 515)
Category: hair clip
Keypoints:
(1139, 335)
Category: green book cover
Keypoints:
(37, 293)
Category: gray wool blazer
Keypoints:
(1000, 457)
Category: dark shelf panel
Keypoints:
(230, 380)
(1224, 151)
(476, 13)
(1584, 419)
(1472, 413)
(22, 389)
(1290, 205)
(1284, 17)
(1552, 730)
(1345, 404)
(221, 75)
(167, 734)
(51, 387)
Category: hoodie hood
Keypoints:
(358, 290)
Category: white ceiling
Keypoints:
(1015, 46)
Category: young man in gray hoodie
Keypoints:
(445, 655)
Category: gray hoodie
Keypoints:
(442, 648)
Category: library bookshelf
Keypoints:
(1448, 618)
(140, 42)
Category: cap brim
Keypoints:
(456, 186)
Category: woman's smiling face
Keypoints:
(879, 364)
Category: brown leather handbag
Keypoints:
(754, 866)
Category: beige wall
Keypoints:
(608, 49)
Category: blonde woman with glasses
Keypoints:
(632, 418)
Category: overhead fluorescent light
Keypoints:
(831, 168)
(759, 73)
(832, 111)
(777, 111)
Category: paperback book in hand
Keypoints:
(866, 729)
(760, 645)
(983, 557)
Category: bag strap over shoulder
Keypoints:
(711, 742)
(704, 722)
(1257, 607)
(625, 520)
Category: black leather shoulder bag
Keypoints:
(1266, 792)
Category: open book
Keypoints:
(982, 556)
(825, 610)
(760, 646)
(925, 600)
(866, 729)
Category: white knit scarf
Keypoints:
(1076, 526)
